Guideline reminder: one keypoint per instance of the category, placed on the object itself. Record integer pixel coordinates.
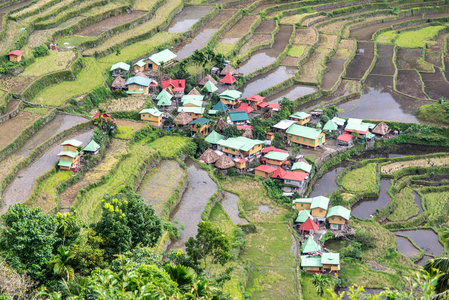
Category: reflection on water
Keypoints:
(426, 239)
(405, 247)
(365, 208)
(187, 17)
(292, 93)
(378, 101)
(198, 42)
(326, 184)
(267, 80)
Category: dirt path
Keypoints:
(116, 148)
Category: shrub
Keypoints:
(40, 51)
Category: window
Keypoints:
(68, 159)
(340, 218)
(302, 205)
(67, 148)
(311, 141)
(311, 268)
(297, 138)
(321, 210)
(303, 139)
(320, 139)
(333, 218)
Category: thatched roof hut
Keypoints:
(209, 156)
(194, 91)
(381, 129)
(118, 83)
(206, 79)
(248, 133)
(138, 73)
(221, 125)
(224, 162)
(226, 70)
(182, 118)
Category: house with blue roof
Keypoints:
(138, 85)
(238, 117)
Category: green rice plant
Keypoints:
(434, 203)
(221, 220)
(124, 132)
(386, 37)
(296, 50)
(405, 205)
(55, 61)
(37, 110)
(169, 146)
(361, 179)
(224, 48)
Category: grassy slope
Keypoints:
(434, 113)
(361, 179)
(297, 50)
(169, 145)
(56, 61)
(406, 205)
(435, 202)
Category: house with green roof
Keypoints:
(309, 246)
(331, 263)
(301, 166)
(241, 147)
(303, 215)
(311, 264)
(69, 156)
(339, 121)
(220, 106)
(195, 112)
(230, 97)
(214, 137)
(92, 148)
(238, 117)
(119, 69)
(276, 159)
(200, 125)
(163, 98)
(153, 115)
(192, 100)
(338, 217)
(305, 136)
(165, 57)
(302, 203)
(139, 66)
(319, 207)
(300, 117)
(330, 126)
(209, 87)
(326, 263)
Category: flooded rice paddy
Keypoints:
(188, 17)
(361, 62)
(367, 207)
(423, 260)
(334, 70)
(292, 93)
(231, 205)
(426, 239)
(267, 80)
(326, 184)
(20, 188)
(99, 27)
(188, 212)
(405, 247)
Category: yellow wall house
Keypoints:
(153, 115)
(201, 125)
(319, 208)
(15, 55)
(154, 61)
(230, 97)
(276, 159)
(338, 217)
(195, 112)
(305, 136)
(264, 171)
(302, 203)
(300, 117)
(69, 156)
(139, 85)
(241, 147)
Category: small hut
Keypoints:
(224, 162)
(248, 132)
(182, 119)
(381, 129)
(228, 69)
(194, 91)
(228, 79)
(15, 55)
(209, 87)
(139, 73)
(221, 125)
(206, 79)
(209, 156)
(118, 84)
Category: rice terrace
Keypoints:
(224, 149)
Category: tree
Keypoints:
(61, 264)
(126, 222)
(209, 245)
(27, 239)
(201, 143)
(182, 275)
(320, 282)
(67, 227)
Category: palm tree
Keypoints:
(320, 282)
(182, 275)
(61, 264)
(67, 225)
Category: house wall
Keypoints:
(230, 151)
(240, 165)
(190, 105)
(69, 148)
(229, 102)
(138, 88)
(15, 58)
(254, 150)
(318, 212)
(293, 182)
(307, 142)
(330, 267)
(137, 68)
(301, 121)
(312, 269)
(155, 121)
(203, 130)
(273, 162)
(336, 220)
(262, 174)
(194, 115)
(302, 206)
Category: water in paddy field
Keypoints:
(326, 184)
(231, 205)
(365, 208)
(292, 93)
(198, 42)
(379, 102)
(188, 211)
(20, 188)
(426, 239)
(405, 247)
(267, 80)
(188, 17)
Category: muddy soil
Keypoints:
(259, 8)
(188, 17)
(333, 73)
(264, 57)
(292, 93)
(408, 59)
(12, 105)
(290, 61)
(435, 84)
(204, 33)
(266, 26)
(7, 9)
(367, 207)
(434, 58)
(379, 102)
(134, 124)
(384, 63)
(425, 239)
(305, 36)
(20, 188)
(17, 84)
(409, 83)
(255, 40)
(188, 211)
(96, 29)
(238, 30)
(267, 80)
(438, 46)
(361, 62)
(10, 129)
(231, 205)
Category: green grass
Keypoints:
(124, 132)
(434, 202)
(386, 37)
(75, 40)
(358, 273)
(221, 220)
(170, 145)
(89, 78)
(224, 48)
(55, 61)
(434, 112)
(296, 51)
(406, 207)
(144, 4)
(37, 110)
(410, 39)
(361, 179)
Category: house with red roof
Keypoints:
(295, 179)
(175, 87)
(103, 115)
(245, 107)
(228, 79)
(345, 139)
(257, 102)
(240, 164)
(264, 171)
(309, 226)
(15, 55)
(274, 107)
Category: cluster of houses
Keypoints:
(69, 157)
(314, 216)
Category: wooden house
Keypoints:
(241, 147)
(302, 203)
(119, 69)
(213, 138)
(153, 115)
(238, 117)
(245, 107)
(165, 57)
(92, 148)
(331, 263)
(338, 217)
(118, 84)
(300, 117)
(194, 112)
(255, 100)
(228, 70)
(230, 97)
(240, 164)
(140, 86)
(274, 107)
(330, 126)
(228, 79)
(276, 159)
(264, 171)
(15, 55)
(164, 98)
(175, 87)
(319, 207)
(139, 66)
(200, 125)
(69, 156)
(345, 139)
(310, 246)
(269, 136)
(306, 136)
(311, 264)
(302, 167)
(381, 129)
(283, 125)
(192, 100)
